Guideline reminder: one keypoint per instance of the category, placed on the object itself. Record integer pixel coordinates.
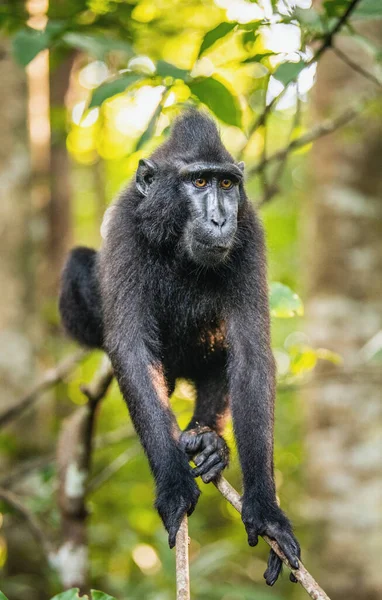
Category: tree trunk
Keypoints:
(344, 310)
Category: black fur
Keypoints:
(80, 303)
(169, 311)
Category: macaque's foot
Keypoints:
(268, 519)
(207, 449)
(177, 495)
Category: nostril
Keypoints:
(219, 223)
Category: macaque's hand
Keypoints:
(207, 449)
(177, 495)
(268, 519)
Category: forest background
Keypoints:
(88, 88)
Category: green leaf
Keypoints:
(336, 8)
(165, 69)
(218, 98)
(72, 594)
(29, 42)
(257, 57)
(2, 597)
(368, 9)
(96, 45)
(287, 72)
(96, 595)
(214, 35)
(148, 134)
(111, 88)
(284, 303)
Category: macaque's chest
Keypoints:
(192, 331)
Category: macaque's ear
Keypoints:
(145, 175)
(241, 166)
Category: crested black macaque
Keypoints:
(179, 290)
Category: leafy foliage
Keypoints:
(218, 98)
(284, 302)
(198, 54)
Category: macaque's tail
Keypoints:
(80, 301)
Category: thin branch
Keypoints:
(25, 469)
(49, 379)
(274, 187)
(182, 566)
(98, 388)
(341, 55)
(114, 437)
(36, 529)
(111, 469)
(301, 574)
(322, 129)
(328, 39)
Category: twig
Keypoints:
(111, 469)
(25, 469)
(49, 379)
(182, 566)
(36, 529)
(328, 39)
(341, 55)
(274, 187)
(301, 574)
(98, 388)
(324, 128)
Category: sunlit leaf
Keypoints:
(147, 135)
(218, 98)
(284, 302)
(2, 597)
(96, 595)
(287, 72)
(165, 69)
(28, 42)
(72, 594)
(305, 359)
(214, 35)
(111, 88)
(329, 355)
(258, 57)
(96, 45)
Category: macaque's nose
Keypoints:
(218, 221)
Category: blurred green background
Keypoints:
(88, 88)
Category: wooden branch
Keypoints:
(325, 128)
(35, 527)
(357, 68)
(49, 379)
(182, 566)
(328, 39)
(301, 574)
(74, 452)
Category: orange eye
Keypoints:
(200, 182)
(226, 184)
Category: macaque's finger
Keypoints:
(274, 568)
(214, 472)
(205, 465)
